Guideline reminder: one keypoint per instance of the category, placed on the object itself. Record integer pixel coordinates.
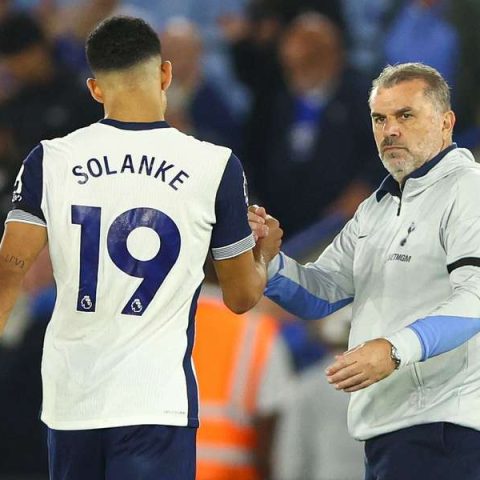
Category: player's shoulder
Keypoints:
(206, 150)
(71, 139)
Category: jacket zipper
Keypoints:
(417, 377)
(419, 399)
(400, 202)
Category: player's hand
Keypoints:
(257, 219)
(361, 366)
(269, 246)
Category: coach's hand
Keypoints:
(361, 366)
(257, 219)
(269, 246)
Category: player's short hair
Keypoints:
(436, 89)
(121, 42)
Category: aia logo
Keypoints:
(17, 187)
(136, 306)
(86, 302)
(245, 188)
(411, 229)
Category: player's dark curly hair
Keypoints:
(121, 42)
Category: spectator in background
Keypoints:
(41, 98)
(366, 24)
(48, 100)
(5, 6)
(445, 35)
(465, 16)
(22, 436)
(313, 441)
(64, 24)
(195, 105)
(69, 25)
(243, 371)
(8, 170)
(286, 10)
(423, 33)
(253, 38)
(299, 337)
(206, 14)
(314, 148)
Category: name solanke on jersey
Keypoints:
(146, 165)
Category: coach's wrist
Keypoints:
(274, 266)
(408, 348)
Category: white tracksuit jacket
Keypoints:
(401, 260)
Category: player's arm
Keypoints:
(25, 231)
(243, 278)
(21, 244)
(239, 261)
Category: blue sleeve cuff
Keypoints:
(298, 300)
(442, 333)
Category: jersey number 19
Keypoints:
(152, 272)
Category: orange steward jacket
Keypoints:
(230, 354)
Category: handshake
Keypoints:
(266, 231)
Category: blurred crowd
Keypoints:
(284, 83)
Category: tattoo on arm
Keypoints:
(13, 260)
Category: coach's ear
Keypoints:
(95, 90)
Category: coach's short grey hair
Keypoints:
(436, 86)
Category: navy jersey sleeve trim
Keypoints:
(463, 262)
(230, 251)
(28, 188)
(231, 227)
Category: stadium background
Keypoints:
(284, 83)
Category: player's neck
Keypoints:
(133, 109)
(135, 118)
(134, 115)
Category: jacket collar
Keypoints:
(391, 186)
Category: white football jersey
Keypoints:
(131, 210)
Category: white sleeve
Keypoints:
(317, 289)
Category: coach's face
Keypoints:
(409, 127)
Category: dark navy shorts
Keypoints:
(434, 451)
(142, 452)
